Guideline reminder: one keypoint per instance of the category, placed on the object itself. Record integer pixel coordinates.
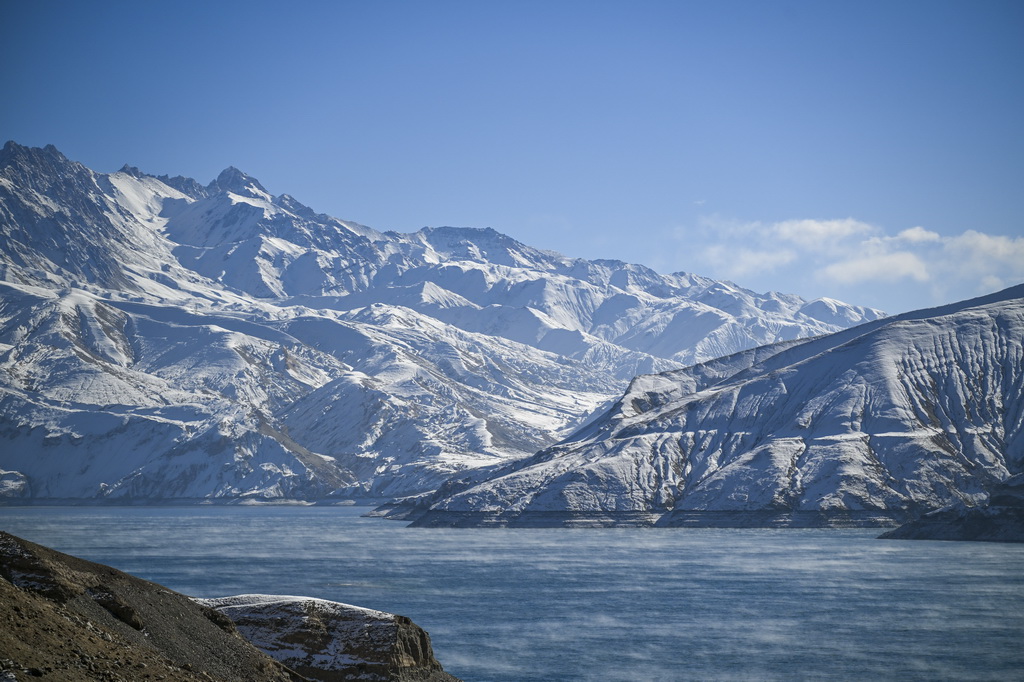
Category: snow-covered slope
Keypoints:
(164, 339)
(874, 423)
(121, 399)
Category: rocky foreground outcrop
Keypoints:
(328, 641)
(64, 618)
(1001, 520)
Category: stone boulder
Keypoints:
(329, 641)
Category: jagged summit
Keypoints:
(233, 180)
(32, 155)
(10, 147)
(132, 171)
(39, 168)
(227, 343)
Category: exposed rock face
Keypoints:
(329, 641)
(64, 618)
(1002, 520)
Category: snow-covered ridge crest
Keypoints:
(879, 422)
(166, 339)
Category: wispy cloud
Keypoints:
(822, 236)
(883, 267)
(915, 266)
(996, 261)
(918, 235)
(741, 261)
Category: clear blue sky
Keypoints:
(871, 151)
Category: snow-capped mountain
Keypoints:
(162, 339)
(871, 424)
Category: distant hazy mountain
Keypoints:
(870, 424)
(164, 339)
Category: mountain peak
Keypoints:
(35, 155)
(233, 180)
(132, 171)
(43, 169)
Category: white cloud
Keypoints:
(988, 251)
(852, 260)
(918, 235)
(821, 235)
(990, 262)
(888, 267)
(740, 262)
(993, 283)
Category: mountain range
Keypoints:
(165, 340)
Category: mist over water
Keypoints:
(595, 604)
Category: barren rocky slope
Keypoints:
(64, 618)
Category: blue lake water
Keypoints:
(596, 604)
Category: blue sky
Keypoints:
(865, 150)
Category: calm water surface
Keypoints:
(517, 605)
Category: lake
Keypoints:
(516, 605)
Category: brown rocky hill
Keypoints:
(64, 618)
